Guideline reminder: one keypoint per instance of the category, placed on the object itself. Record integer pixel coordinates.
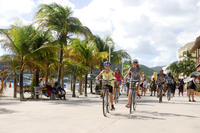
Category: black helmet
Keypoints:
(135, 61)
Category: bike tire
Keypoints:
(134, 100)
(105, 103)
(131, 103)
(160, 97)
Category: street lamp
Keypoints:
(110, 46)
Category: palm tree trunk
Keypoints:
(80, 86)
(62, 78)
(61, 64)
(74, 86)
(37, 76)
(86, 84)
(47, 74)
(91, 82)
(21, 84)
(71, 82)
(15, 85)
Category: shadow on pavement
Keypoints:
(6, 111)
(167, 114)
(136, 117)
(76, 102)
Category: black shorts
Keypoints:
(128, 85)
(191, 85)
(110, 88)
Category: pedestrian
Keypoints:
(153, 87)
(180, 87)
(192, 87)
(144, 87)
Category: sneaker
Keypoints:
(189, 100)
(112, 108)
(193, 101)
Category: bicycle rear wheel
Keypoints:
(169, 95)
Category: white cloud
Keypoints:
(151, 30)
(145, 27)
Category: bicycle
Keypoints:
(169, 92)
(106, 98)
(160, 93)
(133, 98)
(116, 97)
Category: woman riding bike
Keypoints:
(107, 74)
(118, 81)
(136, 74)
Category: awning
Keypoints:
(196, 45)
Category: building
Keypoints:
(186, 47)
(196, 50)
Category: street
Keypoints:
(84, 115)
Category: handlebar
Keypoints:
(106, 80)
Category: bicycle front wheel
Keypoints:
(105, 103)
(160, 95)
(131, 103)
(134, 100)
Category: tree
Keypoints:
(60, 21)
(13, 64)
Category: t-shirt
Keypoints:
(118, 76)
(170, 80)
(161, 78)
(135, 73)
(108, 75)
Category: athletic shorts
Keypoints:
(110, 88)
(117, 84)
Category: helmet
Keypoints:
(135, 61)
(107, 63)
(117, 69)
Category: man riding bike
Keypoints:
(136, 74)
(161, 80)
(107, 74)
(170, 83)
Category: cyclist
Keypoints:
(170, 83)
(118, 81)
(161, 80)
(136, 74)
(108, 74)
(153, 87)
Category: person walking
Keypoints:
(180, 87)
(153, 87)
(191, 88)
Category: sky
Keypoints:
(149, 30)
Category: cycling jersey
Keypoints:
(170, 79)
(118, 77)
(108, 75)
(161, 79)
(135, 73)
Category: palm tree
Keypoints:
(60, 21)
(13, 64)
(18, 43)
(89, 54)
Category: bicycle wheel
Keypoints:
(134, 100)
(131, 102)
(108, 102)
(160, 95)
(116, 96)
(105, 103)
(169, 95)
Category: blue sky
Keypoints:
(150, 30)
